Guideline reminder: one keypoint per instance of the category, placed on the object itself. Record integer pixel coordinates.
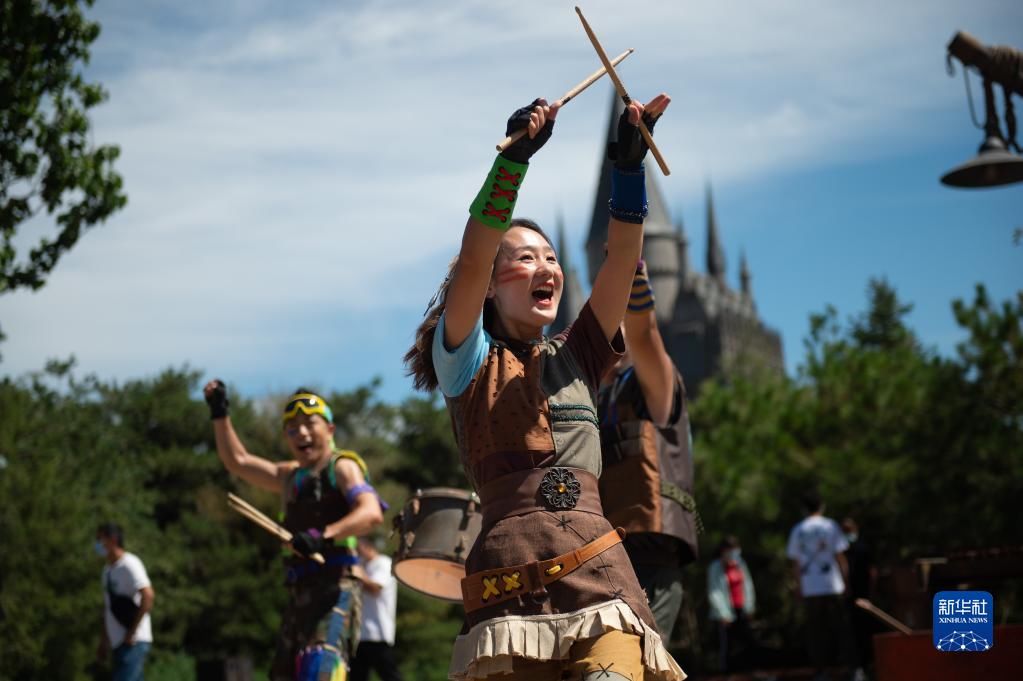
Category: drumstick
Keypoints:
(882, 615)
(253, 514)
(238, 501)
(622, 93)
(270, 526)
(566, 98)
(262, 522)
(257, 517)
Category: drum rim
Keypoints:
(431, 554)
(444, 493)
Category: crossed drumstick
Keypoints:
(608, 68)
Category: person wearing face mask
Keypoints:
(326, 499)
(862, 584)
(127, 601)
(732, 600)
(549, 591)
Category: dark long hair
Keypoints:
(419, 358)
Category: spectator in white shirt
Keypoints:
(816, 550)
(127, 600)
(379, 607)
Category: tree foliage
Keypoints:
(47, 160)
(924, 450)
(886, 429)
(77, 452)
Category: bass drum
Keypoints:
(436, 527)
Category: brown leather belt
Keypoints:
(540, 489)
(490, 587)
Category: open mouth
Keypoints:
(544, 294)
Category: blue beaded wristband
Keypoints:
(628, 195)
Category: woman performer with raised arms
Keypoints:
(550, 592)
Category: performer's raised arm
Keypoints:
(628, 208)
(490, 216)
(654, 369)
(253, 469)
(366, 511)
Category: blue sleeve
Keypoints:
(455, 368)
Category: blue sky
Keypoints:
(299, 173)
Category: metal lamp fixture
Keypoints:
(995, 164)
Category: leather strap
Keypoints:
(490, 587)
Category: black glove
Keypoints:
(630, 149)
(309, 542)
(217, 400)
(524, 148)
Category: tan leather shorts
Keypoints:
(607, 657)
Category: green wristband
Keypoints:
(496, 201)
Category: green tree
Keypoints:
(47, 161)
(79, 452)
(886, 429)
(428, 456)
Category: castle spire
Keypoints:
(744, 275)
(572, 299)
(715, 253)
(683, 250)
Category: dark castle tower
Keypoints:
(715, 253)
(572, 298)
(708, 327)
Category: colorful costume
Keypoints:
(320, 625)
(548, 570)
(647, 489)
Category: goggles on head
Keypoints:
(308, 404)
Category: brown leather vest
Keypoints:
(647, 484)
(313, 500)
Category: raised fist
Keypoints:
(630, 149)
(538, 119)
(215, 393)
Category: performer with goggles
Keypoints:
(326, 499)
(549, 593)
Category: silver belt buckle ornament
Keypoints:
(560, 488)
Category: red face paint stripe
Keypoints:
(513, 273)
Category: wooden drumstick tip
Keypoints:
(620, 87)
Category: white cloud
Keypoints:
(330, 149)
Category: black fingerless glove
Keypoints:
(630, 149)
(217, 401)
(524, 147)
(309, 542)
